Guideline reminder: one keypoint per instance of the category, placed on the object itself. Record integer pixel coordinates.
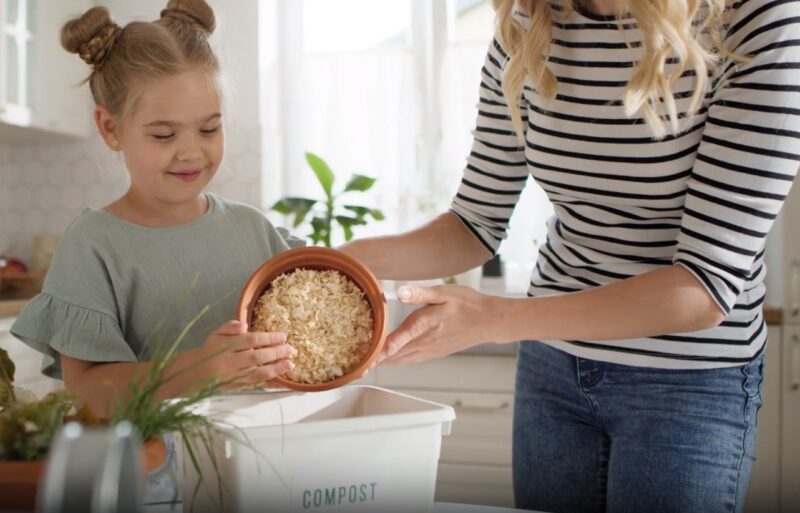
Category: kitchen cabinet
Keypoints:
(27, 361)
(790, 420)
(40, 97)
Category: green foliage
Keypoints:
(328, 212)
(154, 416)
(7, 369)
(27, 429)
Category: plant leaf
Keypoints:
(359, 211)
(359, 183)
(347, 224)
(348, 232)
(7, 370)
(320, 229)
(323, 172)
(362, 212)
(300, 207)
(350, 221)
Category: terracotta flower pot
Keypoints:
(153, 455)
(321, 259)
(19, 480)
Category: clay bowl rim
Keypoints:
(321, 258)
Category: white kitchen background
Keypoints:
(385, 88)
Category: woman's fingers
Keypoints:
(410, 294)
(412, 328)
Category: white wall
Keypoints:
(44, 186)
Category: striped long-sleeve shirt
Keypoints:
(625, 203)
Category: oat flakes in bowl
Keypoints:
(331, 307)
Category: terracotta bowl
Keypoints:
(321, 259)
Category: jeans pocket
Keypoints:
(753, 373)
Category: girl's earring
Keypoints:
(115, 143)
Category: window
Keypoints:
(386, 88)
(17, 25)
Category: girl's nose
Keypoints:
(190, 148)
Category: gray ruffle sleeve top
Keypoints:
(119, 292)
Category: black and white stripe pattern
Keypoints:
(626, 204)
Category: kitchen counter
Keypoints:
(11, 306)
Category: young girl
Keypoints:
(665, 133)
(120, 270)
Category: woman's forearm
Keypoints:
(669, 300)
(442, 247)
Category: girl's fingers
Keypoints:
(258, 339)
(231, 328)
(264, 373)
(260, 356)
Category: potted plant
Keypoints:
(330, 211)
(27, 427)
(28, 424)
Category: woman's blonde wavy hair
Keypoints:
(670, 28)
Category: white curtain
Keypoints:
(366, 112)
(359, 113)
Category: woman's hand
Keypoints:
(454, 319)
(239, 358)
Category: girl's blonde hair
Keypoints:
(125, 57)
(689, 30)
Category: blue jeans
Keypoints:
(595, 437)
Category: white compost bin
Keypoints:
(356, 448)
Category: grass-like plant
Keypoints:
(28, 425)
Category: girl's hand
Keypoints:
(454, 319)
(241, 358)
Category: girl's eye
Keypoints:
(163, 137)
(210, 130)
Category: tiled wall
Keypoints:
(44, 186)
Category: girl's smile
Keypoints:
(189, 175)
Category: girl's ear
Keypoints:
(107, 127)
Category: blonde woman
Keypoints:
(665, 133)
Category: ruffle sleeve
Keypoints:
(52, 326)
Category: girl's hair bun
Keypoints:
(195, 13)
(91, 36)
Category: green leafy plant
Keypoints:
(327, 213)
(27, 424)
(142, 405)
